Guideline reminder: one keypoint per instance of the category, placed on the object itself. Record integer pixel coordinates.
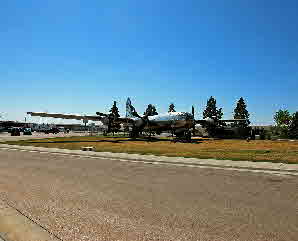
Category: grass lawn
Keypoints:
(257, 150)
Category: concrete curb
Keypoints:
(14, 226)
(246, 165)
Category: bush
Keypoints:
(268, 135)
(275, 130)
(262, 134)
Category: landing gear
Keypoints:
(188, 136)
(134, 133)
(184, 137)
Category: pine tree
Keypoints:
(151, 110)
(114, 110)
(114, 114)
(240, 112)
(154, 112)
(293, 128)
(172, 108)
(148, 110)
(212, 112)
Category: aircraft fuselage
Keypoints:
(172, 121)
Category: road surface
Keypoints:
(4, 136)
(79, 198)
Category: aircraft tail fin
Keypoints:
(129, 108)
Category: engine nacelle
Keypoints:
(140, 123)
(180, 131)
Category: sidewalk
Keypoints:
(227, 164)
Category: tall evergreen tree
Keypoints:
(114, 110)
(211, 111)
(172, 108)
(240, 112)
(151, 110)
(148, 110)
(114, 114)
(293, 128)
(154, 112)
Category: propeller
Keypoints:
(193, 117)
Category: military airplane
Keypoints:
(180, 124)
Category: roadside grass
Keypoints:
(257, 150)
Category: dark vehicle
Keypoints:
(15, 132)
(27, 131)
(52, 130)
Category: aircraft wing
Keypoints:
(65, 116)
(124, 120)
(232, 120)
(209, 120)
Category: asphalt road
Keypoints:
(79, 198)
(38, 135)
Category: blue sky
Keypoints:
(79, 56)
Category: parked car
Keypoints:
(27, 131)
(15, 132)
